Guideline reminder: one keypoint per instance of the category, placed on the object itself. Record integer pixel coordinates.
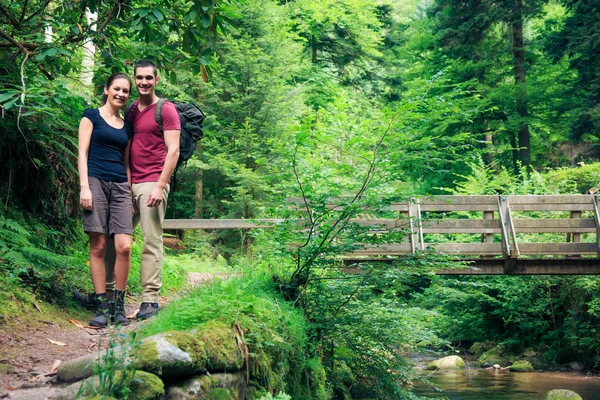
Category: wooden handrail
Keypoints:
(426, 216)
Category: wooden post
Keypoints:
(416, 225)
(487, 237)
(403, 215)
(574, 237)
(507, 228)
(597, 219)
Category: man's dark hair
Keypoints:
(144, 64)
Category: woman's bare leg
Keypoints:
(97, 248)
(123, 260)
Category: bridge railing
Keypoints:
(499, 220)
(502, 220)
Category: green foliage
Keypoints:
(38, 259)
(357, 102)
(489, 180)
(544, 313)
(275, 332)
(581, 180)
(571, 35)
(279, 396)
(113, 370)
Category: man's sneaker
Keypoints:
(100, 319)
(147, 310)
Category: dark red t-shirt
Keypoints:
(148, 150)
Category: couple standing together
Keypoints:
(126, 165)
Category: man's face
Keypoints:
(145, 81)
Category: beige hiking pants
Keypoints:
(151, 221)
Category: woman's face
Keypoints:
(118, 92)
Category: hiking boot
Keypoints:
(118, 314)
(118, 317)
(147, 310)
(85, 300)
(100, 319)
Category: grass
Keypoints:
(274, 330)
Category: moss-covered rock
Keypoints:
(170, 354)
(478, 348)
(562, 394)
(450, 362)
(100, 397)
(221, 345)
(200, 387)
(342, 373)
(496, 355)
(521, 366)
(142, 385)
(146, 386)
(219, 394)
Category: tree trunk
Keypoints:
(520, 75)
(198, 198)
(488, 152)
(89, 53)
(313, 47)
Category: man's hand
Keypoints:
(155, 197)
(85, 198)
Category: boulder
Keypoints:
(169, 354)
(83, 367)
(529, 352)
(562, 394)
(166, 354)
(576, 366)
(495, 355)
(478, 348)
(228, 386)
(521, 366)
(143, 386)
(447, 363)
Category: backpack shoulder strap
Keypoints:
(158, 112)
(127, 110)
(125, 119)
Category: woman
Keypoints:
(105, 196)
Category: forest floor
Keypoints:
(31, 350)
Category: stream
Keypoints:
(489, 385)
(477, 383)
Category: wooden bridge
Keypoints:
(519, 235)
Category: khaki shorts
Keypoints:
(111, 208)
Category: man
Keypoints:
(153, 157)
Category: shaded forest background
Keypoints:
(321, 99)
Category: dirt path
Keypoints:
(29, 351)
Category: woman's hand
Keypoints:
(85, 198)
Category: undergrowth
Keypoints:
(38, 262)
(275, 332)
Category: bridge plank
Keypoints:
(478, 226)
(485, 249)
(564, 266)
(220, 223)
(430, 226)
